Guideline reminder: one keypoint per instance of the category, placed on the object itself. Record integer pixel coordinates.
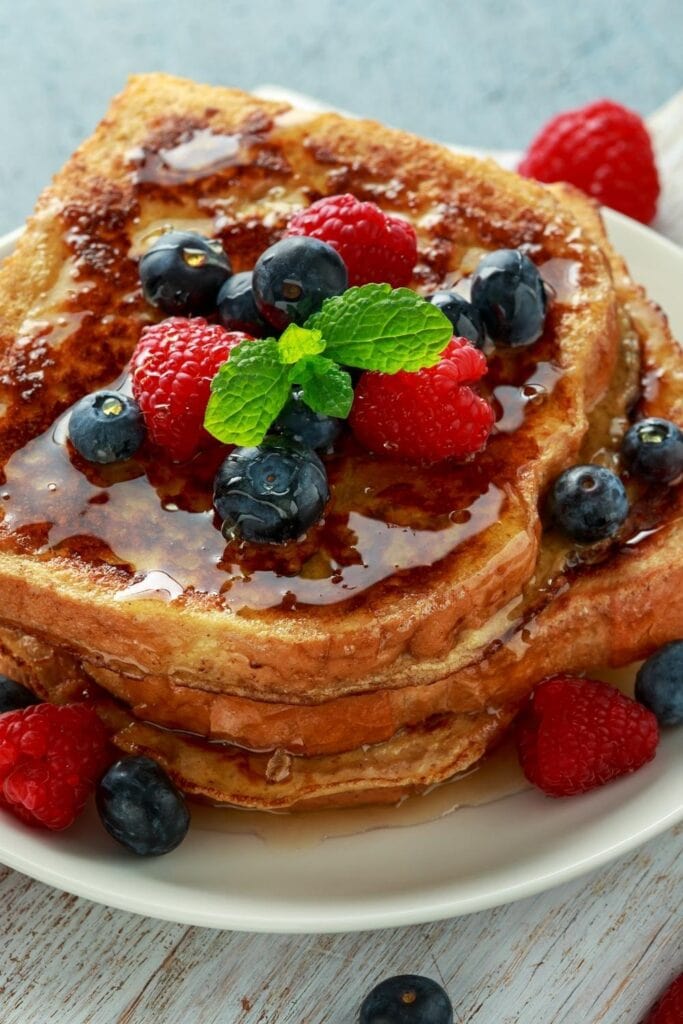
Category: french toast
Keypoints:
(392, 646)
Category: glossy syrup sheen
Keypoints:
(386, 519)
(148, 515)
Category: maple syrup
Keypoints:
(496, 777)
(152, 522)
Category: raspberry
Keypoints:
(428, 415)
(173, 365)
(50, 760)
(375, 246)
(669, 1008)
(577, 734)
(605, 150)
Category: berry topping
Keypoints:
(14, 696)
(293, 278)
(669, 1008)
(271, 493)
(509, 295)
(659, 684)
(462, 314)
(142, 808)
(50, 760)
(298, 421)
(106, 426)
(604, 149)
(577, 734)
(173, 365)
(425, 416)
(589, 503)
(375, 246)
(182, 273)
(236, 306)
(653, 449)
(406, 999)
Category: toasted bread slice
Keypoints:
(392, 647)
(406, 562)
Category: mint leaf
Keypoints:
(376, 327)
(297, 342)
(325, 387)
(247, 393)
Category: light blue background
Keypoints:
(482, 72)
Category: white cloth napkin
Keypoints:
(666, 128)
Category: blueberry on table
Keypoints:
(653, 449)
(659, 684)
(106, 426)
(589, 503)
(236, 306)
(293, 278)
(406, 999)
(182, 272)
(509, 295)
(141, 807)
(14, 696)
(271, 493)
(298, 421)
(462, 314)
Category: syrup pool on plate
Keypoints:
(496, 777)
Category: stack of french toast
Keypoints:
(391, 647)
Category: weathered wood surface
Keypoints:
(592, 952)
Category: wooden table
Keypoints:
(595, 951)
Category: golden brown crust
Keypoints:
(460, 206)
(397, 690)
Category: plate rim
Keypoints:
(432, 907)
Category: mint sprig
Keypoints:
(248, 393)
(297, 342)
(325, 387)
(373, 327)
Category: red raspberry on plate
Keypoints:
(375, 246)
(50, 761)
(604, 149)
(425, 416)
(577, 734)
(173, 365)
(669, 1008)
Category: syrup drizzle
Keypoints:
(497, 777)
(199, 155)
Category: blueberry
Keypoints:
(509, 295)
(462, 314)
(14, 696)
(236, 306)
(293, 278)
(271, 493)
(298, 421)
(141, 807)
(182, 273)
(106, 426)
(653, 450)
(406, 999)
(659, 684)
(589, 503)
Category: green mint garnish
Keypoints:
(373, 327)
(248, 393)
(376, 328)
(325, 387)
(297, 342)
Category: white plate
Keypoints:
(472, 859)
